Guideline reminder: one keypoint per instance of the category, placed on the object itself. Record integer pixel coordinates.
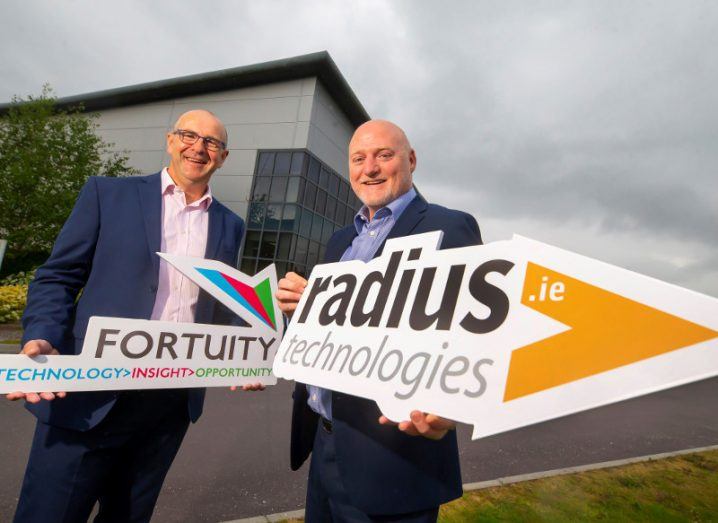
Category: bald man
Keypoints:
(364, 467)
(115, 448)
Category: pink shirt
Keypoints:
(184, 231)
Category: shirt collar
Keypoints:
(169, 187)
(394, 208)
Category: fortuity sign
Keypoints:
(498, 336)
(124, 353)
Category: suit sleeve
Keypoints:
(473, 230)
(461, 230)
(52, 294)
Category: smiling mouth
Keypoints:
(198, 161)
(373, 182)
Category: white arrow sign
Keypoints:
(121, 353)
(499, 336)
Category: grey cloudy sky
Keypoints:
(592, 126)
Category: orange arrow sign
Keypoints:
(607, 331)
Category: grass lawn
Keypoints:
(683, 488)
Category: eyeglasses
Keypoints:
(191, 137)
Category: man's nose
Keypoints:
(371, 166)
(199, 146)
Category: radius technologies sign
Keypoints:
(122, 353)
(498, 336)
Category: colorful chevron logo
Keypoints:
(257, 299)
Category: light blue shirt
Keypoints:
(370, 235)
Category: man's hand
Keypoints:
(36, 348)
(422, 424)
(249, 386)
(289, 292)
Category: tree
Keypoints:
(46, 155)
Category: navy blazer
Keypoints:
(106, 249)
(384, 470)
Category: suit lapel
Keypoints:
(151, 203)
(407, 222)
(336, 248)
(215, 231)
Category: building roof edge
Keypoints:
(319, 64)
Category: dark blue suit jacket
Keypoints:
(384, 470)
(106, 249)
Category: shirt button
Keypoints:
(314, 397)
(372, 233)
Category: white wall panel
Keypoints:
(304, 114)
(329, 132)
(297, 114)
(231, 188)
(327, 151)
(264, 110)
(147, 162)
(301, 136)
(239, 161)
(273, 90)
(262, 136)
(239, 208)
(156, 114)
(143, 139)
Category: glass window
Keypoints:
(274, 214)
(261, 264)
(297, 203)
(248, 265)
(305, 224)
(300, 255)
(265, 164)
(330, 211)
(290, 218)
(295, 190)
(301, 270)
(255, 216)
(261, 188)
(327, 231)
(324, 178)
(317, 228)
(269, 245)
(297, 163)
(343, 192)
(279, 189)
(310, 192)
(284, 248)
(333, 184)
(322, 252)
(349, 215)
(281, 268)
(313, 254)
(321, 201)
(282, 163)
(313, 170)
(251, 243)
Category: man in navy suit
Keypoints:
(110, 447)
(365, 467)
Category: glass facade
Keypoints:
(296, 204)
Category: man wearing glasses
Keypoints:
(115, 448)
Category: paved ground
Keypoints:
(234, 462)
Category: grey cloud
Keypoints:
(573, 119)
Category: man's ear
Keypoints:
(225, 153)
(412, 160)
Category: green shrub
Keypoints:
(12, 302)
(19, 278)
